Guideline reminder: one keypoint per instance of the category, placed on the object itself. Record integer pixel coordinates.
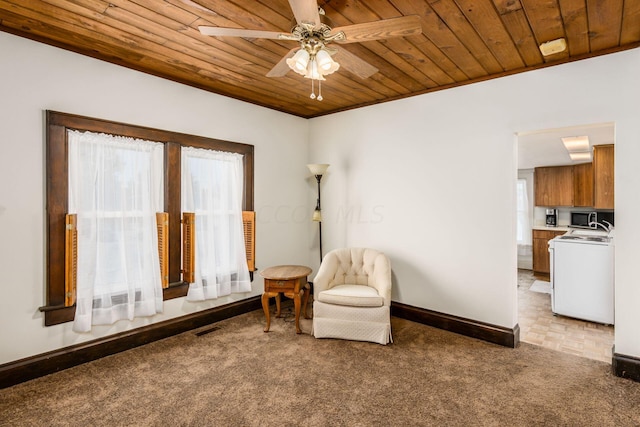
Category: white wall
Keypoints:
(433, 178)
(34, 78)
(403, 177)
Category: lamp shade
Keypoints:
(313, 71)
(325, 63)
(299, 62)
(318, 168)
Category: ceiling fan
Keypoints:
(313, 58)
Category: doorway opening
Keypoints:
(538, 324)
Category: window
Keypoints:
(523, 224)
(211, 183)
(115, 192)
(57, 199)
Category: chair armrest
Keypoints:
(381, 277)
(325, 275)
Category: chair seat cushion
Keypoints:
(352, 295)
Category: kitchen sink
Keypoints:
(587, 238)
(585, 232)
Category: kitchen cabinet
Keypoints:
(603, 167)
(553, 186)
(583, 185)
(541, 249)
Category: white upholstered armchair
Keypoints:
(352, 296)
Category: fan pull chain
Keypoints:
(313, 91)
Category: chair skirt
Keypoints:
(371, 324)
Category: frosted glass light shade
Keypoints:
(317, 216)
(318, 168)
(299, 61)
(325, 63)
(313, 72)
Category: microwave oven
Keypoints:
(583, 219)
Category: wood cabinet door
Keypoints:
(540, 240)
(541, 256)
(542, 186)
(553, 186)
(583, 185)
(603, 169)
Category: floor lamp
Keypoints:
(318, 170)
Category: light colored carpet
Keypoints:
(233, 374)
(541, 286)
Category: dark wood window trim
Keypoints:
(57, 125)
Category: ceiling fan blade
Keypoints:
(305, 11)
(281, 68)
(198, 6)
(384, 29)
(352, 63)
(242, 32)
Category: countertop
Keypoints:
(558, 228)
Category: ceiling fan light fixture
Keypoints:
(313, 62)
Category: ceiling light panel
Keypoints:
(552, 47)
(576, 143)
(576, 157)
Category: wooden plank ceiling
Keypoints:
(462, 41)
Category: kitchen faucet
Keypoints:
(596, 224)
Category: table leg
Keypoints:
(278, 304)
(305, 301)
(296, 304)
(265, 307)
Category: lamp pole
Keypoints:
(319, 219)
(318, 170)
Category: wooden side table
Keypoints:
(290, 280)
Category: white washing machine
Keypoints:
(582, 277)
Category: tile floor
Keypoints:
(539, 326)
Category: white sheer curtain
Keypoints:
(523, 224)
(115, 188)
(212, 187)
